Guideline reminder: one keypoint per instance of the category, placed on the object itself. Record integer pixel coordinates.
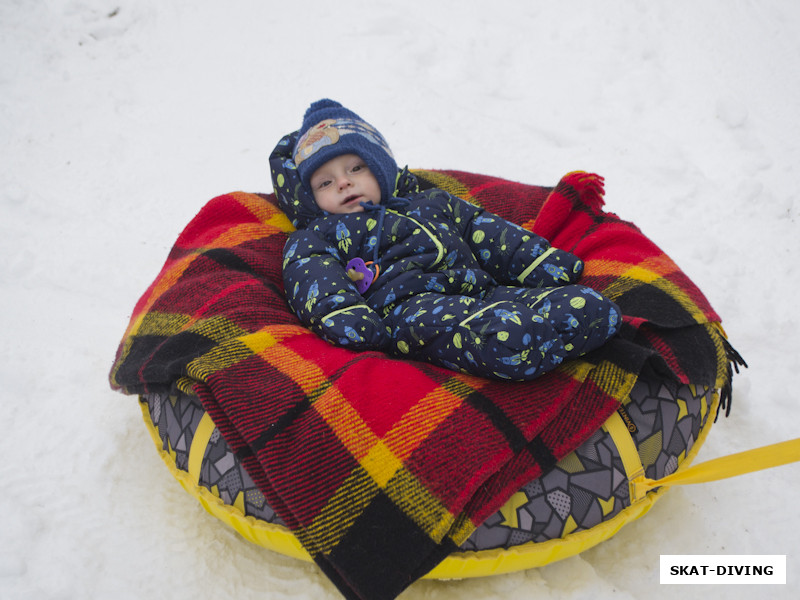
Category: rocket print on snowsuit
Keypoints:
(451, 284)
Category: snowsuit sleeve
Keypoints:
(324, 298)
(511, 254)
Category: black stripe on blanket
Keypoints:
(541, 454)
(499, 419)
(226, 258)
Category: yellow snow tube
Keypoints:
(619, 429)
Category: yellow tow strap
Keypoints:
(748, 461)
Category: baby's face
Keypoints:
(343, 183)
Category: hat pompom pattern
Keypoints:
(330, 130)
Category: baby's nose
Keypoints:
(344, 182)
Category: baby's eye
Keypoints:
(358, 167)
(324, 183)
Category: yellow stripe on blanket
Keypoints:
(246, 232)
(218, 359)
(420, 505)
(350, 428)
(631, 277)
(158, 323)
(382, 459)
(446, 183)
(304, 373)
(613, 380)
(426, 415)
(352, 498)
(381, 464)
(265, 212)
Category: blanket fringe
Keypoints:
(735, 360)
(590, 186)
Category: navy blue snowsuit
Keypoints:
(457, 286)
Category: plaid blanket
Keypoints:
(382, 467)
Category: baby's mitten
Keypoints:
(357, 328)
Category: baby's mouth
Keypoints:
(351, 198)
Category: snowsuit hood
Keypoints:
(297, 201)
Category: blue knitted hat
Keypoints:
(330, 130)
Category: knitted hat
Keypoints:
(330, 130)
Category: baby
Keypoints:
(377, 263)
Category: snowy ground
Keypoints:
(120, 118)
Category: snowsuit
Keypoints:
(456, 286)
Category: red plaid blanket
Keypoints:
(382, 467)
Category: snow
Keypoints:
(120, 118)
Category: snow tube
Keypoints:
(584, 500)
(609, 480)
(612, 478)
